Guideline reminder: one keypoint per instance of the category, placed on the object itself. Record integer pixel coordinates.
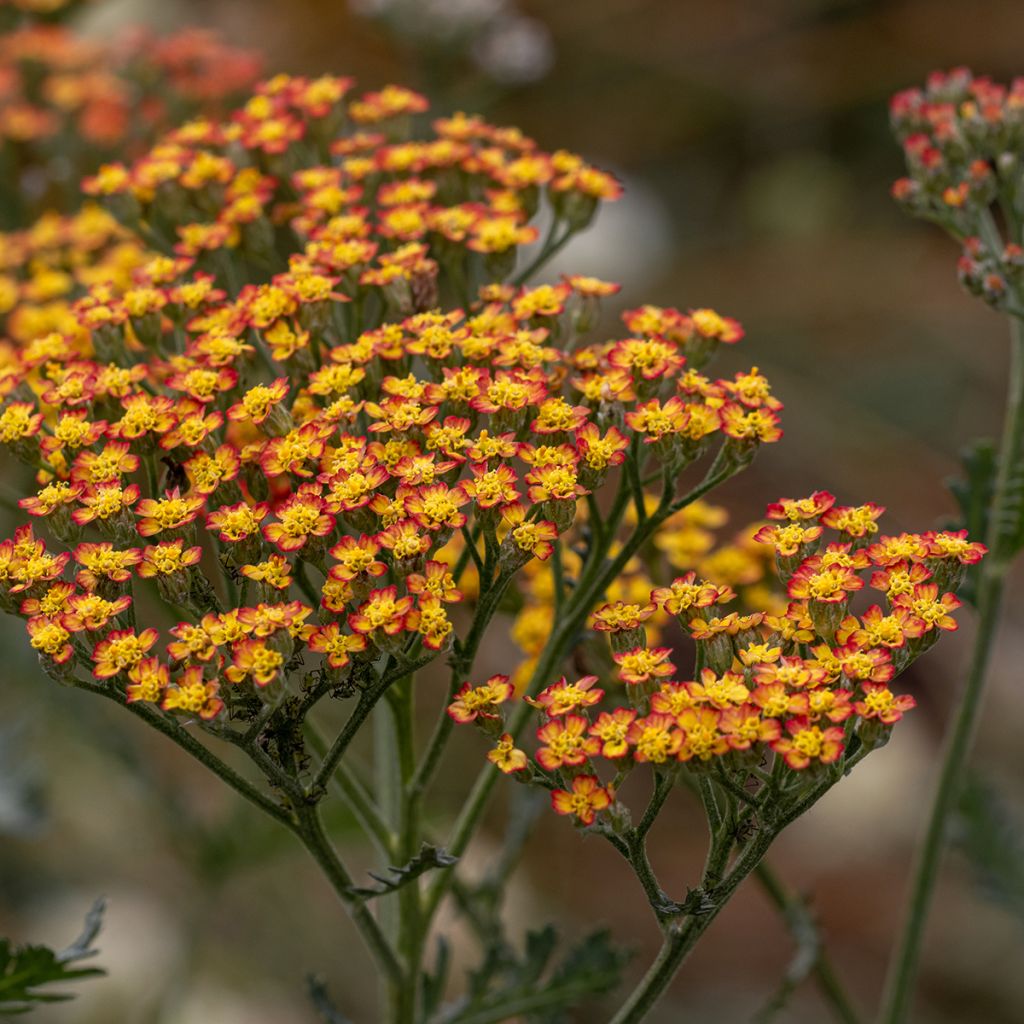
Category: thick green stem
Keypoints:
(903, 966)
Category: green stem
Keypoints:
(407, 816)
(550, 247)
(593, 582)
(682, 936)
(303, 821)
(184, 739)
(367, 702)
(903, 966)
(310, 831)
(354, 793)
(801, 922)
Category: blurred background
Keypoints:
(752, 138)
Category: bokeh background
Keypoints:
(752, 139)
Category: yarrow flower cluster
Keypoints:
(69, 102)
(808, 683)
(331, 423)
(962, 136)
(293, 420)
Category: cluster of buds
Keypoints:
(807, 685)
(272, 448)
(963, 138)
(68, 103)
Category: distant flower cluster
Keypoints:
(68, 102)
(963, 138)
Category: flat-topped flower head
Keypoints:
(703, 737)
(149, 681)
(686, 592)
(254, 659)
(619, 616)
(612, 729)
(234, 523)
(727, 690)
(168, 558)
(337, 646)
(926, 610)
(789, 539)
(121, 650)
(506, 756)
(656, 738)
(832, 584)
(169, 513)
(857, 521)
(533, 538)
(954, 546)
(881, 704)
(744, 725)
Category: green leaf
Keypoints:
(993, 841)
(427, 859)
(26, 969)
(529, 988)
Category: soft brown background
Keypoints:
(752, 138)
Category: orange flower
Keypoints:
(472, 702)
(801, 509)
(565, 742)
(506, 757)
(120, 651)
(336, 645)
(254, 659)
(384, 611)
(149, 681)
(194, 695)
(743, 726)
(585, 799)
(807, 743)
(169, 513)
(529, 536)
(643, 663)
(562, 697)
(703, 736)
(655, 738)
(881, 704)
